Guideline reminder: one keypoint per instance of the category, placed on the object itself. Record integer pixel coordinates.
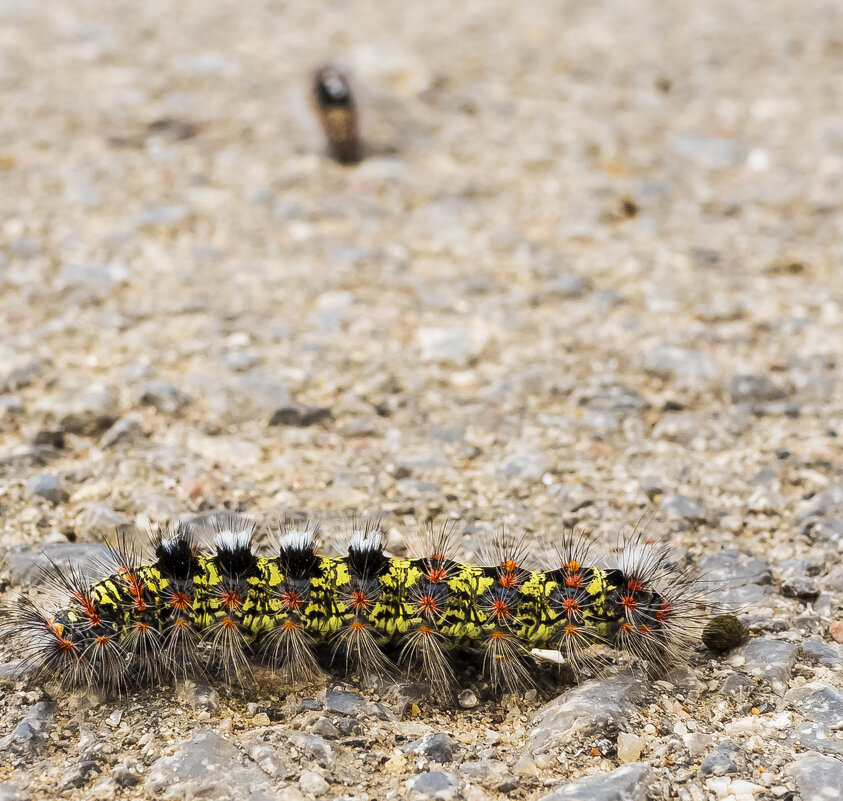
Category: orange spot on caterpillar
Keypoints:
(509, 565)
(663, 612)
(571, 630)
(139, 604)
(508, 580)
(570, 605)
(87, 604)
(229, 599)
(436, 574)
(359, 601)
(573, 566)
(425, 631)
(228, 623)
(179, 600)
(141, 627)
(497, 634)
(357, 626)
(574, 580)
(290, 625)
(181, 623)
(102, 640)
(635, 585)
(291, 600)
(500, 609)
(438, 556)
(629, 603)
(627, 628)
(66, 646)
(428, 605)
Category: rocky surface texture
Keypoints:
(590, 269)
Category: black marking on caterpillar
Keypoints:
(216, 611)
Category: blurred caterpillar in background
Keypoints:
(216, 612)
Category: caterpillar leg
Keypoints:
(288, 650)
(423, 654)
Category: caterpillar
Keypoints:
(219, 611)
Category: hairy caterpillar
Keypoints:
(219, 610)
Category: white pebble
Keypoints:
(312, 784)
(630, 747)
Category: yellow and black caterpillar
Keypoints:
(217, 611)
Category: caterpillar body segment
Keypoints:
(216, 611)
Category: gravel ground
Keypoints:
(591, 269)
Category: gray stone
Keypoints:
(312, 784)
(686, 366)
(567, 285)
(817, 777)
(822, 529)
(164, 397)
(161, 215)
(124, 776)
(491, 773)
(453, 346)
(612, 397)
(88, 411)
(736, 684)
(737, 576)
(10, 792)
(628, 783)
(324, 728)
(816, 737)
(99, 521)
(11, 407)
(91, 281)
(438, 747)
(726, 758)
(467, 699)
(833, 582)
(198, 695)
(21, 376)
(523, 460)
(25, 565)
(343, 702)
(803, 587)
(127, 430)
(16, 669)
(206, 766)
(828, 503)
(681, 507)
(770, 659)
(820, 703)
(754, 389)
(313, 747)
(46, 486)
(435, 784)
(413, 488)
(596, 707)
(303, 416)
(828, 654)
(708, 152)
(26, 738)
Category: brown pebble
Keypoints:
(836, 630)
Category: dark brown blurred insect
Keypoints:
(337, 112)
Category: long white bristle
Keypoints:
(233, 540)
(366, 540)
(300, 539)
